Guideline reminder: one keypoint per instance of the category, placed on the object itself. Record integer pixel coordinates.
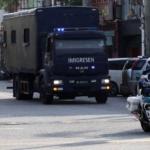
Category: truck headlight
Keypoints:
(105, 81)
(57, 82)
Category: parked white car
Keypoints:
(115, 71)
(129, 83)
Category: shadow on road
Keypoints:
(55, 102)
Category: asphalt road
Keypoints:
(79, 124)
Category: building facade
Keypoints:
(28, 4)
(130, 40)
(120, 21)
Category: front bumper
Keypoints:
(79, 85)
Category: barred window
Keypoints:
(13, 36)
(26, 35)
(5, 37)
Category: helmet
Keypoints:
(144, 76)
(148, 61)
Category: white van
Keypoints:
(129, 83)
(115, 71)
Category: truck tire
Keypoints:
(101, 98)
(18, 95)
(145, 127)
(46, 99)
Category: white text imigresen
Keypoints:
(80, 60)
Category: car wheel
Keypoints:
(113, 89)
(101, 98)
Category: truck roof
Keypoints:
(40, 9)
(77, 34)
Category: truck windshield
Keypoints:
(79, 46)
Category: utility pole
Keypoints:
(147, 28)
(86, 2)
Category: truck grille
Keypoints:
(82, 88)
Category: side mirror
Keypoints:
(4, 45)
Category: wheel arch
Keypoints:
(44, 74)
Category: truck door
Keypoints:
(43, 41)
(49, 53)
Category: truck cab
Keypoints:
(75, 64)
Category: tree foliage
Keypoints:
(8, 5)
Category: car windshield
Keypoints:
(79, 46)
(139, 65)
(129, 64)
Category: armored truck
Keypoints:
(56, 51)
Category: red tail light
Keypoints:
(134, 64)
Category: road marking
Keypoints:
(11, 128)
(55, 142)
(130, 141)
(69, 122)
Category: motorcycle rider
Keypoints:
(145, 72)
(144, 84)
(145, 80)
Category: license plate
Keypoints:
(81, 82)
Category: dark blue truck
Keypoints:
(56, 51)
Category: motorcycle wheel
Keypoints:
(145, 127)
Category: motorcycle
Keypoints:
(139, 106)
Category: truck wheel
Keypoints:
(46, 99)
(145, 127)
(18, 95)
(101, 98)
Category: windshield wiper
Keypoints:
(79, 54)
(88, 54)
(72, 54)
(66, 54)
(96, 53)
(82, 54)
